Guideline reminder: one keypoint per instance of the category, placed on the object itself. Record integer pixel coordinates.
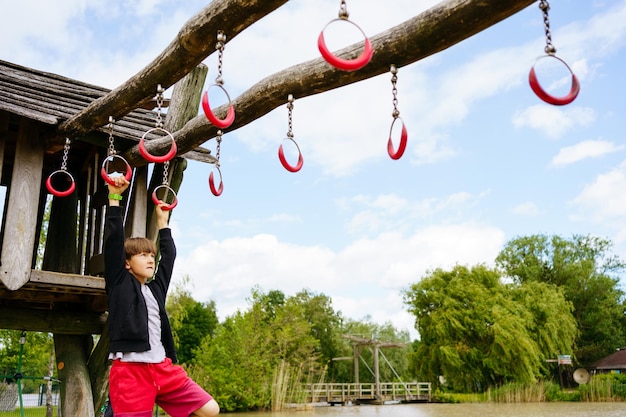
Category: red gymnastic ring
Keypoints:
(165, 206)
(216, 191)
(543, 95)
(219, 123)
(283, 160)
(104, 170)
(345, 64)
(59, 193)
(397, 154)
(153, 158)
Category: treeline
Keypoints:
(481, 327)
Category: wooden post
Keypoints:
(183, 107)
(21, 215)
(378, 394)
(71, 354)
(355, 350)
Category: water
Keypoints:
(617, 409)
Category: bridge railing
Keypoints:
(341, 393)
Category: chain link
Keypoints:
(290, 116)
(159, 102)
(221, 39)
(218, 137)
(66, 150)
(394, 91)
(111, 150)
(545, 7)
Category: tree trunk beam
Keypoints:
(195, 41)
(432, 31)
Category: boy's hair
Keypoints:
(137, 245)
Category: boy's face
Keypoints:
(141, 266)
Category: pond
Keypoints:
(564, 409)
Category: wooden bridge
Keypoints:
(369, 393)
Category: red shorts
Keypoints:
(135, 387)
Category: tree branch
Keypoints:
(432, 31)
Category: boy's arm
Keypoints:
(114, 256)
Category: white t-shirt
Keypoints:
(156, 354)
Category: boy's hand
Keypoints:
(162, 215)
(120, 184)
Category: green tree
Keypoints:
(477, 332)
(191, 320)
(588, 274)
(35, 356)
(239, 362)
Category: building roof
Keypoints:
(615, 360)
(52, 99)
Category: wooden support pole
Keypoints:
(21, 215)
(71, 354)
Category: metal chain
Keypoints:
(217, 150)
(221, 39)
(111, 151)
(343, 10)
(394, 91)
(290, 116)
(66, 150)
(159, 101)
(545, 7)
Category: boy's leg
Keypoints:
(210, 409)
(131, 389)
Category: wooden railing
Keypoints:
(387, 391)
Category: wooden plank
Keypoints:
(21, 216)
(4, 132)
(72, 280)
(137, 212)
(61, 322)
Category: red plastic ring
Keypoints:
(345, 64)
(153, 158)
(216, 191)
(59, 193)
(219, 123)
(542, 94)
(283, 160)
(104, 170)
(404, 136)
(165, 206)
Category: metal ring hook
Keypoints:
(345, 64)
(548, 98)
(216, 191)
(165, 206)
(215, 121)
(154, 158)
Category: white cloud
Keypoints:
(365, 270)
(584, 150)
(553, 122)
(603, 202)
(526, 209)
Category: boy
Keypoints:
(142, 346)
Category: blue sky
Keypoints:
(486, 160)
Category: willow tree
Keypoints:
(588, 272)
(476, 331)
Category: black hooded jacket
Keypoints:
(128, 314)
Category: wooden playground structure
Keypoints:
(51, 246)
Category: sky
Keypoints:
(487, 161)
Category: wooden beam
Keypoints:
(59, 322)
(194, 42)
(21, 215)
(432, 31)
